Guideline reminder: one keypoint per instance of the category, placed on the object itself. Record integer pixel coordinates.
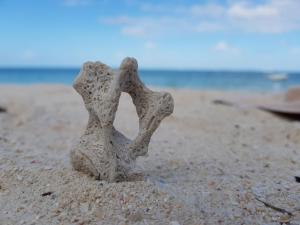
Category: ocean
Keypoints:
(218, 80)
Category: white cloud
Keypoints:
(72, 3)
(161, 8)
(208, 27)
(245, 11)
(150, 45)
(223, 46)
(208, 10)
(28, 55)
(270, 16)
(275, 16)
(119, 20)
(295, 50)
(134, 31)
(149, 26)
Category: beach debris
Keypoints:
(19, 178)
(297, 179)
(3, 139)
(286, 107)
(48, 168)
(3, 109)
(84, 207)
(102, 151)
(223, 102)
(276, 208)
(288, 215)
(278, 77)
(47, 193)
(284, 219)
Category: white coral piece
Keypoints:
(103, 151)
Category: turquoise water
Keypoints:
(220, 80)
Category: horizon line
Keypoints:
(51, 67)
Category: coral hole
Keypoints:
(126, 120)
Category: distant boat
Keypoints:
(278, 77)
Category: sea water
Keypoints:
(218, 80)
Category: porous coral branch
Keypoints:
(103, 151)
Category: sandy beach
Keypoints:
(207, 163)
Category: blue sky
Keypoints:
(177, 34)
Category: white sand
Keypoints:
(206, 164)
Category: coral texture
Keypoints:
(102, 150)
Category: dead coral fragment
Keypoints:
(103, 151)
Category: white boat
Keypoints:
(278, 77)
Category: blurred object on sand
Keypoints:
(286, 105)
(278, 77)
(2, 109)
